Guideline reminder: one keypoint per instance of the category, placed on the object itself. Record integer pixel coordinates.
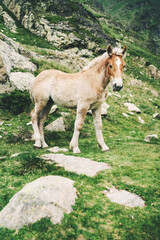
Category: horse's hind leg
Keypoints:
(35, 114)
(42, 119)
(98, 127)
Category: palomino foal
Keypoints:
(84, 90)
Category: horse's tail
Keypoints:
(30, 92)
(31, 96)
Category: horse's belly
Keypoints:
(64, 99)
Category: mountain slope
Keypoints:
(140, 17)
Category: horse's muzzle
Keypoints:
(117, 87)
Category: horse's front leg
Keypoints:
(98, 127)
(81, 113)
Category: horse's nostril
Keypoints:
(117, 88)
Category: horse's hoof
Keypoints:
(105, 149)
(37, 145)
(76, 150)
(45, 146)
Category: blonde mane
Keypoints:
(116, 51)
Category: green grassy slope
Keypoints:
(135, 167)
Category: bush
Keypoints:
(15, 102)
(29, 163)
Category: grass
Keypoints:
(134, 162)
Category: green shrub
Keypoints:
(29, 163)
(15, 102)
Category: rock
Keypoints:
(57, 125)
(8, 124)
(9, 22)
(64, 114)
(132, 107)
(141, 120)
(154, 71)
(60, 39)
(53, 109)
(17, 154)
(9, 53)
(0, 136)
(156, 115)
(21, 80)
(47, 197)
(72, 58)
(89, 112)
(6, 87)
(105, 106)
(3, 73)
(123, 197)
(154, 93)
(151, 137)
(125, 115)
(158, 74)
(104, 109)
(77, 164)
(57, 149)
(136, 83)
(131, 113)
(29, 123)
(116, 95)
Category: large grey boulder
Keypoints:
(10, 54)
(47, 197)
(78, 165)
(21, 80)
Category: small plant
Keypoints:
(29, 163)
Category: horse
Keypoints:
(83, 90)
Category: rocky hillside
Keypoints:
(64, 24)
(35, 35)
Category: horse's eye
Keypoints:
(110, 66)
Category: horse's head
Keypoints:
(115, 64)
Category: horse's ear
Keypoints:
(124, 51)
(109, 50)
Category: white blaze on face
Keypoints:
(118, 78)
(118, 63)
